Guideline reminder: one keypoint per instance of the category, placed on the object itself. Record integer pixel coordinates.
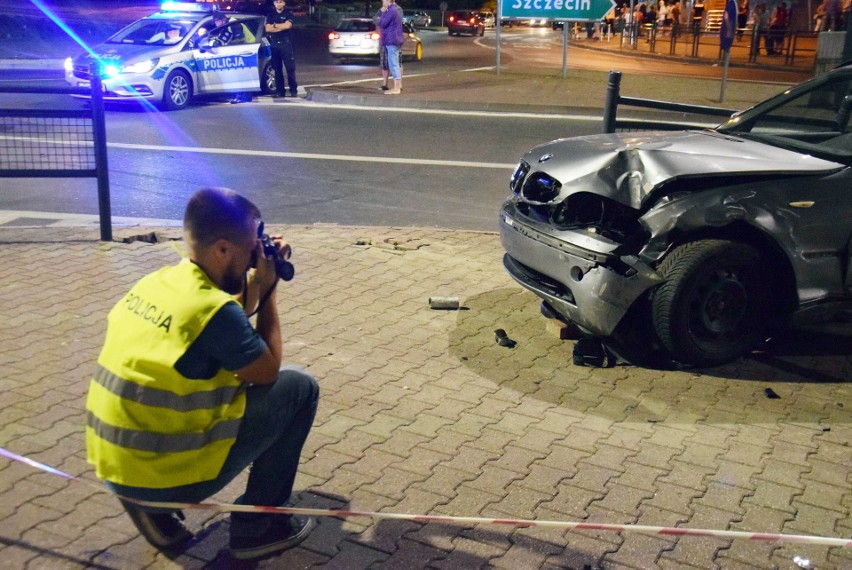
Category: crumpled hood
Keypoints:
(628, 166)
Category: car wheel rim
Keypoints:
(270, 79)
(179, 90)
(720, 305)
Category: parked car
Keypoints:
(170, 57)
(465, 22)
(693, 246)
(417, 18)
(357, 38)
(487, 18)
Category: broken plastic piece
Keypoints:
(503, 339)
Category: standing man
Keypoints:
(279, 22)
(187, 394)
(390, 27)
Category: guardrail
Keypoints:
(53, 143)
(611, 123)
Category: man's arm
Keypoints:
(272, 28)
(264, 370)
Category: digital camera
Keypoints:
(283, 268)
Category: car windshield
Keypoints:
(813, 118)
(356, 26)
(153, 31)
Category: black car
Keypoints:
(692, 246)
(465, 22)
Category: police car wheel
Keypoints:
(267, 80)
(178, 90)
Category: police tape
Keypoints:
(520, 523)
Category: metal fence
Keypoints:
(53, 143)
(681, 116)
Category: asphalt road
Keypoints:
(308, 163)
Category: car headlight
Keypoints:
(140, 66)
(540, 188)
(518, 176)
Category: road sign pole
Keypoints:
(564, 50)
(499, 21)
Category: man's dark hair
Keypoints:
(217, 213)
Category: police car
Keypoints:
(171, 56)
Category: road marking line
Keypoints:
(317, 156)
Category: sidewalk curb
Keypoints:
(35, 64)
(335, 96)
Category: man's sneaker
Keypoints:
(284, 532)
(163, 530)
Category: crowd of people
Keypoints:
(769, 20)
(831, 15)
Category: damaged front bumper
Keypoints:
(576, 272)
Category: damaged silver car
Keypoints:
(692, 246)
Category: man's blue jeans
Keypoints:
(393, 62)
(275, 426)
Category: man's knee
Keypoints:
(298, 379)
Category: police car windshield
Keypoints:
(153, 32)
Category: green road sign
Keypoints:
(556, 9)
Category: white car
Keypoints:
(487, 19)
(169, 57)
(417, 18)
(355, 38)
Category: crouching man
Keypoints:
(187, 393)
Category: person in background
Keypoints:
(819, 16)
(674, 15)
(830, 22)
(742, 18)
(778, 28)
(390, 27)
(383, 52)
(187, 393)
(761, 28)
(279, 22)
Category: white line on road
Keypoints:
(316, 156)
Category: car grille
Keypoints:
(538, 280)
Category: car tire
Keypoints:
(715, 304)
(177, 91)
(267, 80)
(451, 33)
(418, 53)
(482, 33)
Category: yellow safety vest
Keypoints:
(147, 425)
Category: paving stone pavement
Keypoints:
(423, 412)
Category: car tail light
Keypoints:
(473, 20)
(452, 19)
(333, 36)
(375, 36)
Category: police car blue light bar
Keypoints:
(188, 7)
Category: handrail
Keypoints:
(614, 98)
(59, 167)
